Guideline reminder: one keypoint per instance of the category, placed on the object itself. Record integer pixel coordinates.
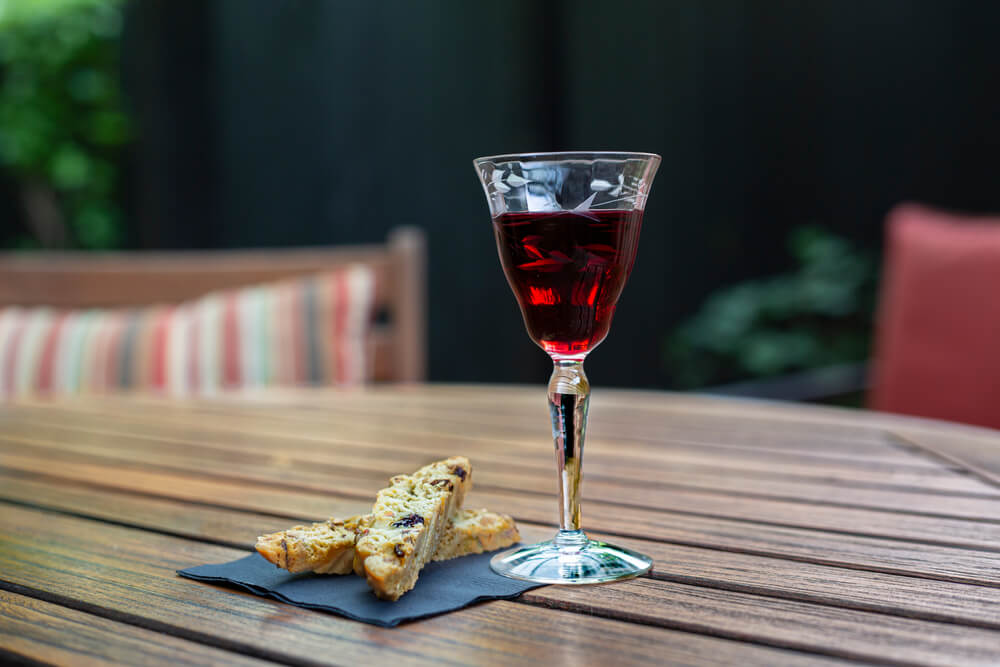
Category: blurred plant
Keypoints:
(819, 315)
(62, 125)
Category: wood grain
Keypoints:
(51, 633)
(781, 534)
(845, 633)
(606, 458)
(770, 576)
(127, 573)
(522, 425)
(814, 628)
(855, 551)
(95, 280)
(363, 484)
(533, 462)
(978, 454)
(528, 474)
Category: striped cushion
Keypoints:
(309, 330)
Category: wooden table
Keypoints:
(782, 534)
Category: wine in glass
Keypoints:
(567, 230)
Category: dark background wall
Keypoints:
(310, 121)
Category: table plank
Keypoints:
(834, 427)
(415, 430)
(846, 633)
(38, 630)
(777, 415)
(21, 453)
(813, 628)
(773, 577)
(537, 476)
(894, 557)
(980, 454)
(201, 510)
(129, 574)
(521, 425)
(513, 409)
(917, 472)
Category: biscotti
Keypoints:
(328, 547)
(324, 548)
(406, 524)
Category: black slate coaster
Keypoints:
(442, 587)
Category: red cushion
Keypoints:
(938, 332)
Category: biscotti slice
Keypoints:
(325, 548)
(406, 523)
(474, 532)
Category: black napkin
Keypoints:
(442, 587)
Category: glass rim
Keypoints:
(566, 155)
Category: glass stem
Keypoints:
(569, 398)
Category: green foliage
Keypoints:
(818, 315)
(62, 124)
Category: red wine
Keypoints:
(567, 269)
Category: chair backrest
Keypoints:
(937, 351)
(120, 279)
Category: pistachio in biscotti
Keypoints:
(409, 516)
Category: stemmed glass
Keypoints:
(567, 230)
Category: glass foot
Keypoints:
(571, 558)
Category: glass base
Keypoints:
(571, 558)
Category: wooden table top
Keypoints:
(781, 534)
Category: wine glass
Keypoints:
(567, 230)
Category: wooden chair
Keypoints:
(118, 279)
